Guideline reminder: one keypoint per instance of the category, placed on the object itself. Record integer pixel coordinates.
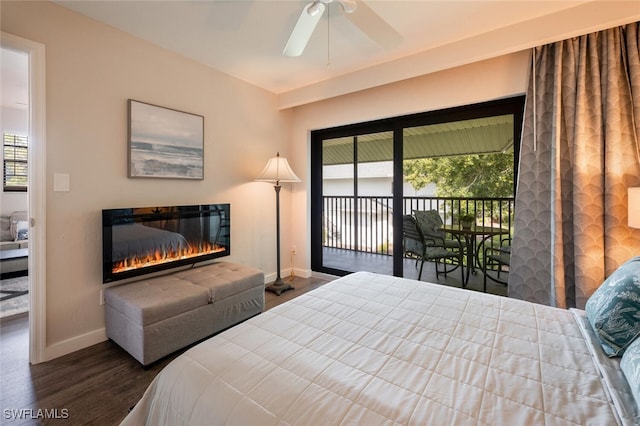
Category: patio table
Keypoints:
(470, 236)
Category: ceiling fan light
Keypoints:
(314, 8)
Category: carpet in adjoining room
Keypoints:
(14, 303)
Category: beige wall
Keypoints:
(91, 71)
(482, 81)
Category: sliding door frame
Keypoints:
(317, 137)
(513, 105)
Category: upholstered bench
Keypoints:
(155, 317)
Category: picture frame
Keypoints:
(164, 143)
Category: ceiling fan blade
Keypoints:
(376, 28)
(301, 33)
(348, 6)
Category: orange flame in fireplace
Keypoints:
(159, 257)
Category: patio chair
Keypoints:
(417, 246)
(499, 257)
(431, 224)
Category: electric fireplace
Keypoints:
(141, 240)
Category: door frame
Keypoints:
(37, 191)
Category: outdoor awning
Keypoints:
(488, 135)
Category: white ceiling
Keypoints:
(245, 38)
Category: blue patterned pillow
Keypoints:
(630, 365)
(614, 309)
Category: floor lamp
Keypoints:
(277, 170)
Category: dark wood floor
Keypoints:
(96, 385)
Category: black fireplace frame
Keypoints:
(213, 223)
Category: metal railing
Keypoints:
(365, 224)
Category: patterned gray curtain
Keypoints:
(580, 152)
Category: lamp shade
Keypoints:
(277, 170)
(634, 207)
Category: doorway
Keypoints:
(357, 201)
(14, 72)
(36, 205)
(360, 188)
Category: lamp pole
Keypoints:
(277, 187)
(278, 285)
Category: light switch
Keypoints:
(61, 182)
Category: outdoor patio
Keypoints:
(349, 260)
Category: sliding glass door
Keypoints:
(357, 229)
(366, 176)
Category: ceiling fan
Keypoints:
(357, 12)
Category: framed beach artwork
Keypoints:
(164, 142)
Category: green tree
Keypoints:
(485, 175)
(465, 176)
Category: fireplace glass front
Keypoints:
(141, 240)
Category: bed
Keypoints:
(371, 349)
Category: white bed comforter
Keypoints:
(369, 349)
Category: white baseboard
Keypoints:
(303, 273)
(286, 273)
(74, 344)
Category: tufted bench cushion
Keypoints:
(157, 316)
(149, 301)
(223, 279)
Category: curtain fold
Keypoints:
(579, 154)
